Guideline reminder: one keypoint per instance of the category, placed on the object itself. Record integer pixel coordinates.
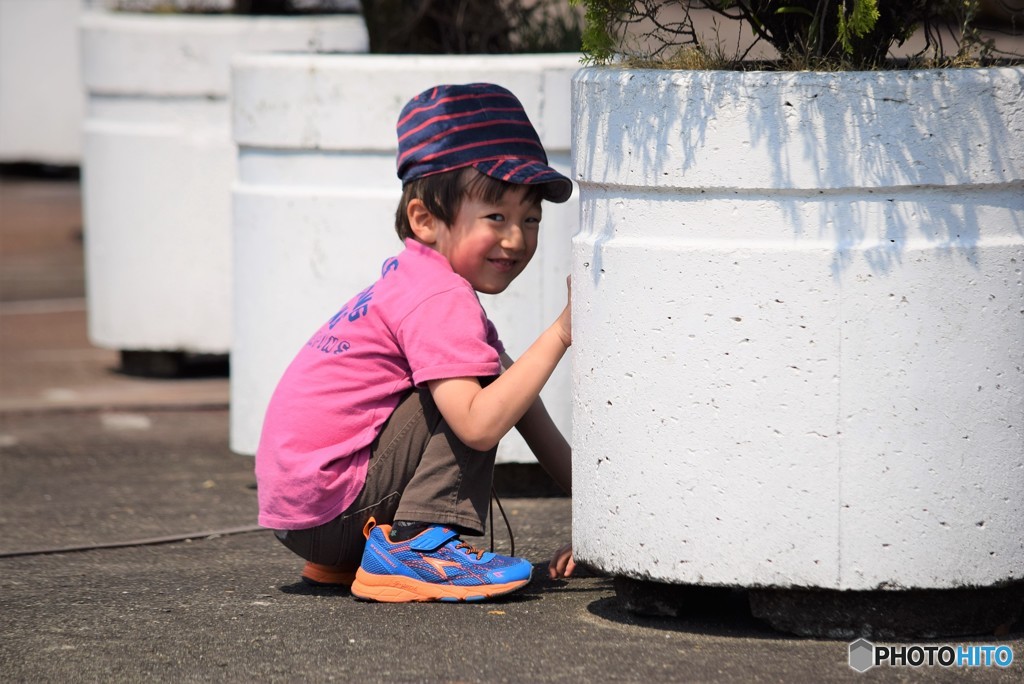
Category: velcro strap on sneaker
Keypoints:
(433, 539)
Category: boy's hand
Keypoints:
(562, 564)
(481, 416)
(565, 319)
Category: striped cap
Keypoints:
(481, 125)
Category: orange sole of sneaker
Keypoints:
(401, 589)
(326, 576)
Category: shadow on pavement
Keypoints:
(728, 615)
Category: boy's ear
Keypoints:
(424, 224)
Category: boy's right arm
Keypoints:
(481, 416)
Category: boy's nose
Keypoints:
(514, 239)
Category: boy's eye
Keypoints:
(496, 217)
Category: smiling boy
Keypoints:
(378, 446)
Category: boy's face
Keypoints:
(489, 244)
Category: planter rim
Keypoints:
(804, 132)
(304, 101)
(142, 55)
(609, 71)
(286, 59)
(191, 21)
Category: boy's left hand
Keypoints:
(562, 564)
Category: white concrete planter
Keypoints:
(41, 98)
(158, 166)
(799, 328)
(316, 195)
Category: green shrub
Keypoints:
(808, 34)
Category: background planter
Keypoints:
(799, 328)
(41, 99)
(316, 195)
(158, 167)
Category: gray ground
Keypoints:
(89, 456)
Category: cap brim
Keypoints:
(556, 187)
(558, 191)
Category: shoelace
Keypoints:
(471, 549)
(508, 526)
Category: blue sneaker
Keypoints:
(435, 565)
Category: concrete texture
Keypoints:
(795, 293)
(127, 459)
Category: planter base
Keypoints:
(656, 599)
(915, 613)
(823, 613)
(172, 364)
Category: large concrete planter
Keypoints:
(158, 166)
(316, 195)
(41, 98)
(799, 329)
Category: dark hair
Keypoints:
(443, 194)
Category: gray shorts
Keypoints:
(418, 471)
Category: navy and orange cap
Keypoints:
(481, 125)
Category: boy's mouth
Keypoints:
(503, 265)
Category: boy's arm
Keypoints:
(481, 416)
(545, 440)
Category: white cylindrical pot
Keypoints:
(315, 201)
(41, 98)
(158, 164)
(798, 321)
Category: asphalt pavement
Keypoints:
(130, 553)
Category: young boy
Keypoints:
(378, 445)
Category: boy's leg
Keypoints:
(448, 489)
(451, 485)
(416, 465)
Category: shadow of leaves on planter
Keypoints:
(869, 162)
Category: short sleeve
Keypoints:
(448, 336)
(493, 338)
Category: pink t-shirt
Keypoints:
(419, 322)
